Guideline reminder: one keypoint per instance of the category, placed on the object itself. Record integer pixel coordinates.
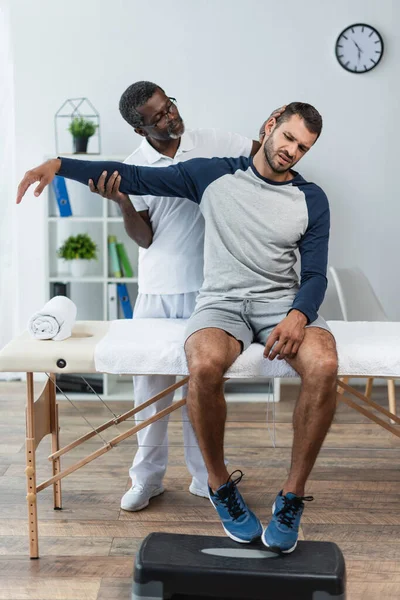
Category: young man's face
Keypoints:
(161, 118)
(287, 143)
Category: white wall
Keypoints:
(8, 292)
(229, 63)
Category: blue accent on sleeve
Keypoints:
(183, 180)
(313, 248)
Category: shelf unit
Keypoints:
(99, 218)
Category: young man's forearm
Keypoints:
(137, 229)
(172, 181)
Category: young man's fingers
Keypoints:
(286, 350)
(39, 189)
(22, 188)
(295, 350)
(28, 179)
(276, 350)
(272, 338)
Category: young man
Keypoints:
(258, 213)
(170, 235)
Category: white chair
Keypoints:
(358, 302)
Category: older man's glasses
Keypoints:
(169, 110)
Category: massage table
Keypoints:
(155, 346)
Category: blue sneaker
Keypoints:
(239, 523)
(282, 532)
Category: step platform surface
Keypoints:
(189, 567)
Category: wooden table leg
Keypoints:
(392, 397)
(30, 470)
(55, 441)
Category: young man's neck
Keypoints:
(166, 147)
(265, 170)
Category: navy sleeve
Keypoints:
(172, 181)
(313, 248)
(184, 180)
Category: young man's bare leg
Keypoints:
(210, 352)
(316, 363)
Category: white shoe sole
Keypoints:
(198, 492)
(230, 535)
(267, 546)
(145, 504)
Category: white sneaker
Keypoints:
(197, 489)
(138, 497)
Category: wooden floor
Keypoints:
(87, 549)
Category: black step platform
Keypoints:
(189, 567)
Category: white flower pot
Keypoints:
(79, 267)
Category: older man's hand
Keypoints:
(274, 115)
(111, 190)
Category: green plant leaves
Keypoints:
(80, 127)
(78, 246)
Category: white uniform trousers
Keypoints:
(150, 462)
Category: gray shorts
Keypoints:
(246, 320)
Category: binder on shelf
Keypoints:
(112, 302)
(124, 260)
(125, 300)
(58, 288)
(61, 194)
(112, 251)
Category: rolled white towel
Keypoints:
(54, 321)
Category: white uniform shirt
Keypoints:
(173, 264)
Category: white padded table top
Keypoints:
(155, 346)
(25, 354)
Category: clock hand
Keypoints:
(358, 47)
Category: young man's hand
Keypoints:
(111, 190)
(44, 173)
(287, 336)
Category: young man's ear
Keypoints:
(270, 125)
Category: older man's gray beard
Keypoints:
(176, 136)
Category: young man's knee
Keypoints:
(206, 370)
(321, 361)
(327, 365)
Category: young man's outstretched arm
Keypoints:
(169, 181)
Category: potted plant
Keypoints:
(81, 129)
(80, 250)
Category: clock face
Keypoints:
(359, 48)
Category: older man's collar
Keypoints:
(152, 155)
(187, 141)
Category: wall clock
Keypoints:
(359, 48)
